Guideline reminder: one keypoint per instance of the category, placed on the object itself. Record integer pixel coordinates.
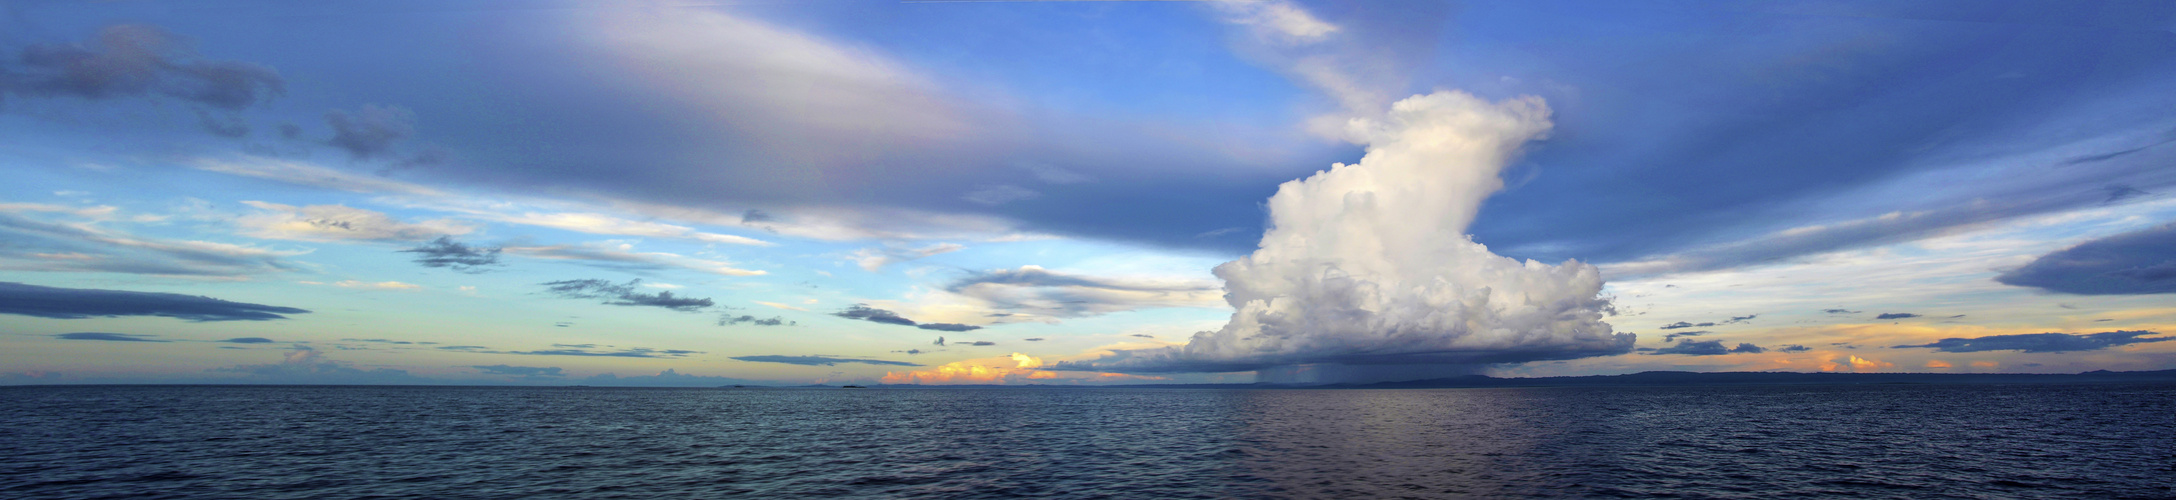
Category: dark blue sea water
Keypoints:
(1971, 441)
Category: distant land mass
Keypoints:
(1675, 378)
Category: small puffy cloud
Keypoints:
(1896, 316)
(1747, 348)
(133, 60)
(1854, 363)
(1794, 348)
(521, 371)
(978, 343)
(444, 252)
(818, 360)
(79, 303)
(2042, 342)
(1936, 363)
(2135, 263)
(110, 337)
(624, 294)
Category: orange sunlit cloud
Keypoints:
(1012, 369)
(1985, 364)
(1936, 363)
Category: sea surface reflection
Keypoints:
(1976, 441)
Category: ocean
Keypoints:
(1858, 441)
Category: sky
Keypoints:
(851, 192)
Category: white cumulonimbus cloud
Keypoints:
(1370, 264)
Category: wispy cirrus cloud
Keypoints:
(625, 294)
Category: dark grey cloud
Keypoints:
(1896, 316)
(910, 352)
(1748, 348)
(2043, 342)
(753, 216)
(1684, 324)
(2119, 192)
(939, 342)
(1672, 336)
(1794, 348)
(2134, 263)
(79, 303)
(1691, 348)
(1840, 311)
(624, 294)
(522, 371)
(133, 60)
(947, 327)
(818, 360)
(977, 343)
(865, 313)
(248, 340)
(463, 347)
(1741, 319)
(111, 337)
(447, 253)
(728, 319)
(369, 132)
(1036, 339)
(1144, 335)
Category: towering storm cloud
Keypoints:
(1370, 264)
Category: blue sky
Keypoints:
(1068, 192)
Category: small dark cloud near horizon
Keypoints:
(1036, 339)
(1143, 335)
(1672, 336)
(1794, 348)
(870, 314)
(81, 303)
(910, 352)
(463, 347)
(2042, 342)
(728, 319)
(521, 371)
(1896, 316)
(818, 360)
(370, 131)
(1741, 319)
(1692, 348)
(136, 60)
(939, 342)
(1748, 348)
(2135, 263)
(444, 252)
(247, 340)
(1685, 324)
(109, 337)
(1840, 311)
(977, 343)
(638, 352)
(387, 341)
(624, 294)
